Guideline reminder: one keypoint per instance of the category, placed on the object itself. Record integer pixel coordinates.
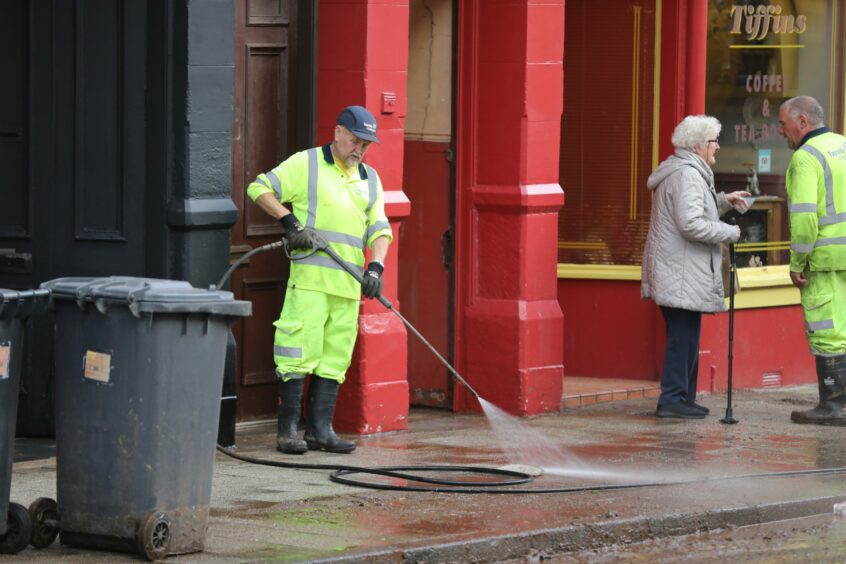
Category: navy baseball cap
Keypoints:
(360, 122)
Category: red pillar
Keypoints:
(509, 326)
(363, 59)
(684, 35)
(697, 44)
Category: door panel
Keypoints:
(424, 270)
(265, 132)
(72, 152)
(14, 213)
(98, 186)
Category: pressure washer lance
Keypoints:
(321, 244)
(387, 303)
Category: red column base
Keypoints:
(514, 352)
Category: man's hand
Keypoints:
(297, 236)
(798, 279)
(371, 283)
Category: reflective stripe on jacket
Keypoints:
(816, 192)
(349, 212)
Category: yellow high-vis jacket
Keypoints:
(816, 192)
(348, 212)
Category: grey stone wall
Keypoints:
(200, 213)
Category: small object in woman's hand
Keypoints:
(747, 203)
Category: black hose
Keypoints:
(341, 470)
(237, 263)
(336, 477)
(395, 472)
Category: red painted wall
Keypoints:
(609, 332)
(767, 341)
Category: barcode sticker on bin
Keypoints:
(97, 366)
(5, 353)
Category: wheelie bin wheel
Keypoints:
(18, 530)
(154, 536)
(45, 522)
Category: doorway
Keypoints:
(426, 236)
(273, 118)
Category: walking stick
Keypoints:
(729, 419)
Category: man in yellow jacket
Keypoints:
(816, 192)
(335, 198)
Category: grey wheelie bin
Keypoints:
(15, 521)
(139, 368)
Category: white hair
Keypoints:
(695, 130)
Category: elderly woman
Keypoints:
(682, 258)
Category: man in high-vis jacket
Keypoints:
(337, 199)
(816, 192)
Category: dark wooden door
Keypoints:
(72, 156)
(272, 121)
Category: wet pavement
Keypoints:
(701, 475)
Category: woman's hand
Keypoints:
(738, 200)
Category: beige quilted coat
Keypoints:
(682, 256)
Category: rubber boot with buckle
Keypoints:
(831, 376)
(288, 416)
(319, 435)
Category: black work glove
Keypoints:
(297, 236)
(371, 283)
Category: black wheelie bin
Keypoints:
(139, 368)
(15, 306)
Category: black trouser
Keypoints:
(681, 355)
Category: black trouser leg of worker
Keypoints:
(288, 417)
(319, 435)
(831, 377)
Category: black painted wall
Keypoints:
(115, 143)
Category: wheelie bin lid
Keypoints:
(147, 295)
(17, 304)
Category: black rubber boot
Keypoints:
(288, 416)
(319, 435)
(831, 376)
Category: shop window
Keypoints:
(606, 131)
(760, 53)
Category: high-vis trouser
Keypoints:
(824, 308)
(315, 334)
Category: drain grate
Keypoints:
(771, 379)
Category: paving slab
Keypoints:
(697, 468)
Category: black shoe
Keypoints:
(679, 410)
(699, 407)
